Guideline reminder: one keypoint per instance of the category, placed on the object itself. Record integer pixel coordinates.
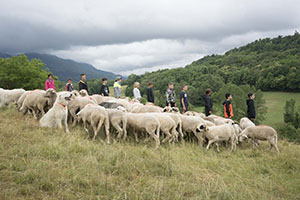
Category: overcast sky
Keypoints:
(135, 36)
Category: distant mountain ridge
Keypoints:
(67, 68)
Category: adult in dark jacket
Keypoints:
(150, 95)
(82, 83)
(104, 90)
(207, 102)
(250, 107)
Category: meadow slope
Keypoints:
(37, 163)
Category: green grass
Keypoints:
(275, 101)
(38, 163)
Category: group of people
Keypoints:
(170, 95)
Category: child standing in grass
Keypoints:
(228, 111)
(118, 88)
(207, 102)
(170, 94)
(82, 83)
(184, 103)
(104, 90)
(250, 107)
(50, 82)
(136, 91)
(69, 86)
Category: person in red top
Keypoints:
(50, 83)
(228, 111)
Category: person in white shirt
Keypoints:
(136, 91)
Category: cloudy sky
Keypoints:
(135, 36)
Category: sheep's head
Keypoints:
(121, 108)
(50, 93)
(202, 128)
(167, 109)
(75, 93)
(83, 93)
(188, 113)
(175, 109)
(242, 137)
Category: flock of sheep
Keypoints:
(144, 121)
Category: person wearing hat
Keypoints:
(117, 88)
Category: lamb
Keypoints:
(144, 122)
(260, 133)
(10, 96)
(225, 132)
(39, 100)
(116, 118)
(76, 105)
(96, 116)
(245, 123)
(58, 113)
(167, 126)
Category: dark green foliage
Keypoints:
(289, 132)
(291, 114)
(19, 72)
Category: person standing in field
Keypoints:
(69, 85)
(228, 111)
(104, 90)
(50, 83)
(118, 88)
(170, 94)
(150, 95)
(208, 102)
(83, 83)
(184, 103)
(136, 91)
(251, 113)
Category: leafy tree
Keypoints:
(19, 72)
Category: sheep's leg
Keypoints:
(66, 124)
(135, 135)
(106, 126)
(119, 129)
(218, 149)
(96, 128)
(124, 131)
(85, 126)
(199, 137)
(154, 136)
(168, 136)
(41, 108)
(34, 114)
(209, 143)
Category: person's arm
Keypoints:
(80, 86)
(107, 90)
(101, 92)
(182, 103)
(227, 109)
(168, 100)
(148, 95)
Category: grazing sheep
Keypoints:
(144, 122)
(116, 118)
(98, 98)
(192, 124)
(167, 126)
(225, 132)
(245, 123)
(58, 113)
(22, 98)
(76, 105)
(96, 116)
(10, 96)
(110, 105)
(178, 122)
(39, 101)
(260, 133)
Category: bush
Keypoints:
(291, 115)
(289, 132)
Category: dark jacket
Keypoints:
(69, 87)
(250, 109)
(150, 95)
(208, 104)
(83, 85)
(228, 111)
(104, 90)
(183, 95)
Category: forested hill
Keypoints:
(66, 68)
(266, 64)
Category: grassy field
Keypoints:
(37, 163)
(275, 101)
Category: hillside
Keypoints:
(266, 64)
(66, 68)
(37, 163)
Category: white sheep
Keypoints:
(116, 118)
(261, 132)
(245, 123)
(10, 96)
(144, 122)
(192, 124)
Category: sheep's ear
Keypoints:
(164, 110)
(202, 127)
